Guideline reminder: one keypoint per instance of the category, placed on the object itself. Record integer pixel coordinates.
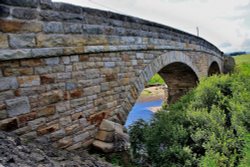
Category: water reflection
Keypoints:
(141, 110)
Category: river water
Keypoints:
(141, 110)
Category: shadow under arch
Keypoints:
(174, 65)
(180, 78)
(213, 69)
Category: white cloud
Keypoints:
(219, 21)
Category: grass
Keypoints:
(156, 80)
(243, 63)
(242, 59)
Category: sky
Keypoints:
(225, 23)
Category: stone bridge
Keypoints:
(64, 68)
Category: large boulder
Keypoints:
(111, 137)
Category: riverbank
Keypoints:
(151, 94)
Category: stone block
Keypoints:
(105, 136)
(109, 64)
(72, 129)
(57, 135)
(83, 122)
(64, 142)
(68, 68)
(75, 146)
(78, 102)
(65, 121)
(3, 40)
(68, 8)
(53, 27)
(76, 41)
(62, 106)
(65, 60)
(6, 95)
(28, 81)
(52, 61)
(92, 90)
(23, 119)
(7, 54)
(8, 124)
(63, 76)
(51, 97)
(8, 83)
(18, 71)
(22, 41)
(42, 130)
(23, 3)
(32, 62)
(17, 106)
(46, 111)
(77, 116)
(50, 40)
(70, 85)
(47, 79)
(4, 11)
(73, 50)
(74, 58)
(22, 13)
(15, 26)
(3, 114)
(105, 147)
(87, 143)
(46, 52)
(43, 70)
(37, 122)
(110, 126)
(73, 28)
(46, 4)
(81, 137)
(77, 93)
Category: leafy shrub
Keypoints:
(207, 127)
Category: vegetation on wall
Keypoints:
(156, 80)
(209, 127)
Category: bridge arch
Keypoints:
(178, 72)
(65, 68)
(213, 69)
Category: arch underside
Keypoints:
(213, 69)
(180, 78)
(178, 71)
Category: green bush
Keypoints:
(207, 127)
(156, 80)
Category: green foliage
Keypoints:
(246, 159)
(242, 59)
(156, 80)
(208, 127)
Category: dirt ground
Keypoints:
(152, 93)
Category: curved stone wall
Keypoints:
(64, 68)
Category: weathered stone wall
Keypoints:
(64, 68)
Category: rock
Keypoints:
(103, 146)
(4, 11)
(110, 137)
(27, 14)
(16, 152)
(105, 136)
(107, 125)
(22, 41)
(17, 106)
(53, 27)
(8, 83)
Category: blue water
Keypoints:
(141, 111)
